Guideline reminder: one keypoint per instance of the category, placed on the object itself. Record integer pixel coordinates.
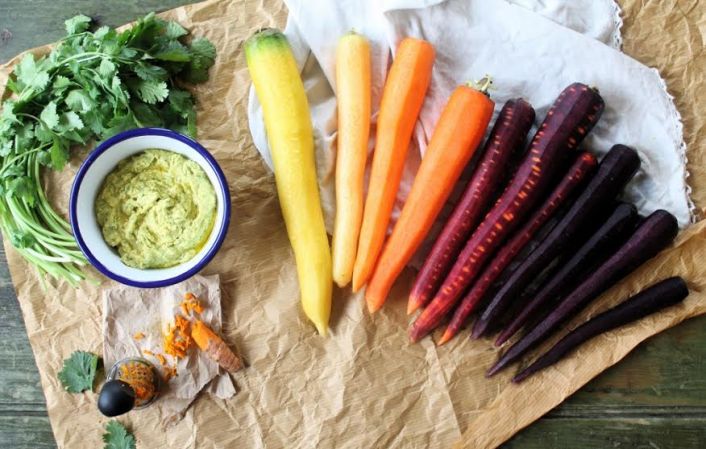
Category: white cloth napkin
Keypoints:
(531, 48)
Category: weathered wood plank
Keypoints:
(26, 24)
(641, 433)
(26, 432)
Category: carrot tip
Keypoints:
(478, 330)
(373, 307)
(412, 306)
(520, 377)
(499, 365)
(502, 338)
(448, 335)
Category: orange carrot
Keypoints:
(353, 96)
(458, 133)
(402, 99)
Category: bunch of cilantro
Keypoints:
(93, 85)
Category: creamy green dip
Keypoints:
(156, 209)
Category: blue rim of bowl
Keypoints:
(103, 147)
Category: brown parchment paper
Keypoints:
(365, 386)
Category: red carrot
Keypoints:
(616, 169)
(568, 121)
(507, 136)
(580, 171)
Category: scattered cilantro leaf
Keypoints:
(116, 436)
(77, 24)
(79, 372)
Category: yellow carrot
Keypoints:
(353, 96)
(289, 132)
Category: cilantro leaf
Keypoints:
(107, 68)
(22, 239)
(173, 51)
(49, 115)
(151, 92)
(77, 24)
(43, 133)
(23, 188)
(149, 72)
(78, 100)
(174, 30)
(60, 84)
(203, 51)
(117, 437)
(30, 75)
(79, 372)
(59, 154)
(6, 148)
(70, 121)
(181, 101)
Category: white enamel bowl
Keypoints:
(89, 179)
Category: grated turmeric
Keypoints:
(177, 340)
(138, 336)
(191, 304)
(210, 343)
(141, 377)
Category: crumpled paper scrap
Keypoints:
(128, 311)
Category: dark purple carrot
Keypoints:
(659, 296)
(652, 236)
(607, 237)
(579, 172)
(614, 171)
(506, 139)
(568, 121)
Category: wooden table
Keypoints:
(655, 399)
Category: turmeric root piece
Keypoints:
(215, 347)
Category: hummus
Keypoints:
(156, 209)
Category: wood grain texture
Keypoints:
(654, 398)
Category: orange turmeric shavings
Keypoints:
(138, 336)
(177, 340)
(191, 304)
(147, 352)
(169, 373)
